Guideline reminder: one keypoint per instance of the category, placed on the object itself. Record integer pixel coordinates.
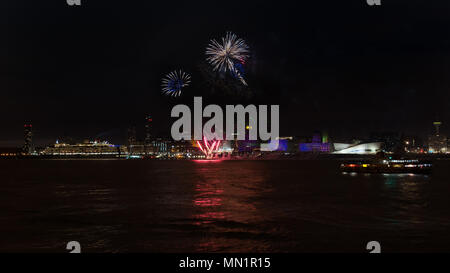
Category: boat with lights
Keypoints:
(414, 166)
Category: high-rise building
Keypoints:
(131, 139)
(148, 130)
(28, 137)
(148, 134)
(158, 145)
(437, 124)
(437, 143)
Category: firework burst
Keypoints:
(208, 147)
(226, 55)
(174, 82)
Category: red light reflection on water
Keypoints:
(208, 199)
(208, 202)
(225, 200)
(208, 160)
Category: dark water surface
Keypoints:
(228, 206)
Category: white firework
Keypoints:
(174, 82)
(224, 56)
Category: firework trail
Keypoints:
(174, 82)
(208, 147)
(226, 55)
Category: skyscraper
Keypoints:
(148, 128)
(437, 124)
(148, 135)
(437, 143)
(28, 137)
(131, 139)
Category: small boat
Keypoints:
(413, 166)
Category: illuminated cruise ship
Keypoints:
(92, 148)
(388, 166)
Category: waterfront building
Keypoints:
(318, 144)
(358, 148)
(227, 146)
(413, 144)
(285, 144)
(182, 147)
(157, 146)
(392, 141)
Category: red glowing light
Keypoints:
(200, 146)
(207, 148)
(208, 160)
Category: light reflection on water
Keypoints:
(225, 206)
(404, 199)
(208, 197)
(227, 203)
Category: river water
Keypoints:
(219, 206)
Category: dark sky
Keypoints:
(341, 66)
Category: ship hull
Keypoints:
(397, 167)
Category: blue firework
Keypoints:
(174, 82)
(239, 70)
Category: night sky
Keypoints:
(341, 66)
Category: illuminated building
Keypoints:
(357, 148)
(226, 147)
(159, 145)
(235, 143)
(182, 147)
(148, 130)
(28, 135)
(392, 141)
(151, 146)
(85, 149)
(413, 144)
(325, 137)
(437, 143)
(131, 139)
(317, 145)
(247, 145)
(285, 144)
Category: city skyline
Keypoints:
(148, 144)
(144, 133)
(219, 133)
